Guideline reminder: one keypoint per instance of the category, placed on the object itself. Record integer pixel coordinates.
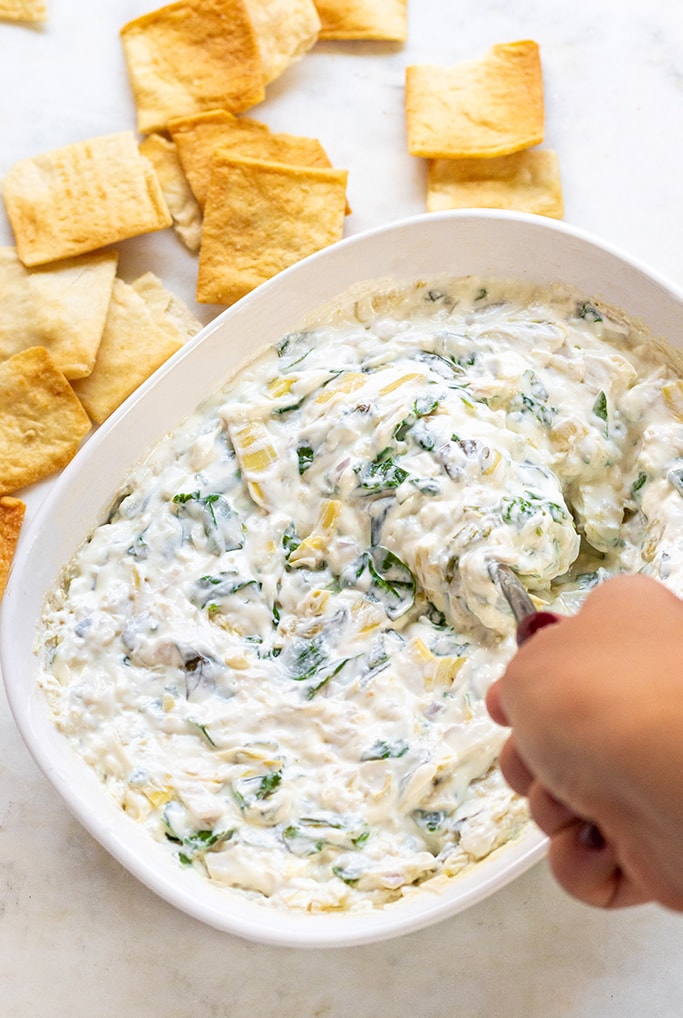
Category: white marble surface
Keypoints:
(78, 935)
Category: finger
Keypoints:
(587, 868)
(493, 705)
(513, 768)
(550, 814)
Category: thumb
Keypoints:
(585, 865)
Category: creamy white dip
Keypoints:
(274, 653)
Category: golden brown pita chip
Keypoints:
(182, 204)
(262, 217)
(527, 181)
(41, 420)
(23, 10)
(132, 347)
(285, 30)
(190, 56)
(169, 312)
(198, 138)
(61, 306)
(363, 19)
(81, 197)
(478, 108)
(11, 518)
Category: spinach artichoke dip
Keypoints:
(274, 653)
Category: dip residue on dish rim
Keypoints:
(274, 652)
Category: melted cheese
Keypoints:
(275, 651)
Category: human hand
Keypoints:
(596, 710)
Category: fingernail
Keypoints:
(590, 837)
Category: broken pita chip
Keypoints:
(41, 420)
(11, 518)
(169, 312)
(285, 30)
(527, 181)
(23, 10)
(479, 108)
(262, 217)
(199, 138)
(182, 204)
(61, 306)
(132, 347)
(383, 20)
(191, 56)
(81, 197)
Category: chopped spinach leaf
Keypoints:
(221, 523)
(210, 590)
(516, 509)
(427, 485)
(248, 791)
(638, 483)
(429, 820)
(587, 311)
(423, 436)
(305, 456)
(600, 406)
(203, 729)
(197, 844)
(383, 750)
(436, 617)
(425, 405)
(300, 843)
(304, 657)
(385, 578)
(294, 347)
(290, 406)
(328, 674)
(345, 873)
(438, 365)
(290, 540)
(380, 474)
(268, 784)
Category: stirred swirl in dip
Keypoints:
(274, 653)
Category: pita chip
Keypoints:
(199, 138)
(190, 56)
(260, 218)
(478, 108)
(285, 30)
(82, 197)
(61, 306)
(23, 10)
(169, 312)
(132, 347)
(182, 204)
(527, 181)
(11, 518)
(41, 420)
(382, 20)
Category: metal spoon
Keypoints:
(527, 617)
